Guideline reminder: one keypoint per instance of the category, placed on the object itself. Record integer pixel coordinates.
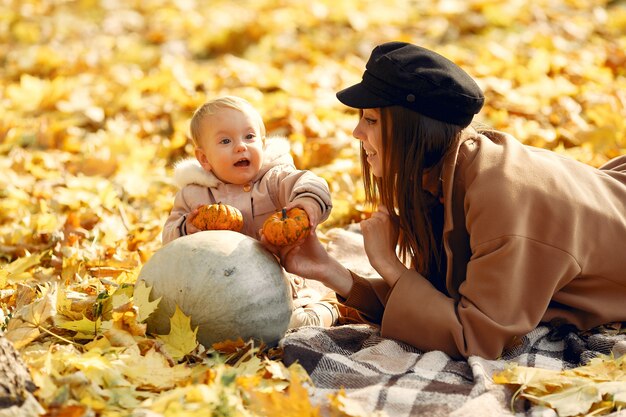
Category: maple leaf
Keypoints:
(73, 304)
(118, 337)
(28, 322)
(127, 321)
(101, 367)
(63, 302)
(198, 400)
(85, 328)
(277, 370)
(277, 377)
(342, 406)
(294, 402)
(252, 365)
(181, 339)
(526, 376)
(106, 304)
(616, 391)
(70, 411)
(129, 276)
(122, 294)
(571, 401)
(573, 391)
(152, 370)
(229, 346)
(141, 299)
(602, 368)
(92, 140)
(16, 270)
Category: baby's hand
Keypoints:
(311, 207)
(189, 227)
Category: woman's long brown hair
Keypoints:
(412, 143)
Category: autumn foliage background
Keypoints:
(96, 97)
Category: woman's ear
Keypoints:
(202, 158)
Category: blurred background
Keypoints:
(95, 102)
(96, 98)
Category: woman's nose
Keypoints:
(357, 133)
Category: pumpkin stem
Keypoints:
(284, 211)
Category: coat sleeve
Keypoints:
(368, 296)
(509, 284)
(175, 223)
(290, 185)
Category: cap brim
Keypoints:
(359, 97)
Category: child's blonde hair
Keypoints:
(211, 107)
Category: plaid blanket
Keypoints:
(386, 377)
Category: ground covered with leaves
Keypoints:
(96, 98)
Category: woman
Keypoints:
(493, 237)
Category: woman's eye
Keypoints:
(370, 121)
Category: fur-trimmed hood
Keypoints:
(189, 171)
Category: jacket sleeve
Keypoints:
(505, 294)
(368, 296)
(290, 185)
(175, 224)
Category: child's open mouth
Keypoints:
(242, 163)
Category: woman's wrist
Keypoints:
(337, 278)
(391, 273)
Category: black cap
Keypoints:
(399, 73)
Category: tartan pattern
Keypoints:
(387, 377)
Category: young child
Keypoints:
(236, 165)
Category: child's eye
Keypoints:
(250, 136)
(225, 141)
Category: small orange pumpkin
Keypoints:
(286, 227)
(218, 216)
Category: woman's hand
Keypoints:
(308, 259)
(380, 237)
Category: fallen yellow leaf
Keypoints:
(152, 370)
(294, 402)
(141, 299)
(181, 339)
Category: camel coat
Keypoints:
(529, 236)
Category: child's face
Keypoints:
(231, 145)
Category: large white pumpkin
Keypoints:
(227, 282)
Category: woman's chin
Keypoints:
(375, 171)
